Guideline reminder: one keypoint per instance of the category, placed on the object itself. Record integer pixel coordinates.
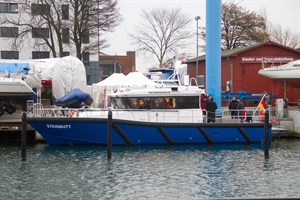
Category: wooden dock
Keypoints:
(11, 128)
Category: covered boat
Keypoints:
(75, 99)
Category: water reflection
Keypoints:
(151, 172)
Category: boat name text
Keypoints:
(58, 126)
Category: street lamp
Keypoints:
(197, 19)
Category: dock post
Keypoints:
(23, 136)
(266, 142)
(109, 135)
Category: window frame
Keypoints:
(9, 32)
(45, 33)
(10, 55)
(65, 35)
(9, 8)
(39, 9)
(40, 54)
(65, 12)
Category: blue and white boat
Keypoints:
(143, 117)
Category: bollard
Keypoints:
(266, 142)
(109, 135)
(23, 136)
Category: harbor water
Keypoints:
(151, 172)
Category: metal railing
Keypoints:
(247, 115)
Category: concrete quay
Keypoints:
(291, 122)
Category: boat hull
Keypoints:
(280, 74)
(125, 132)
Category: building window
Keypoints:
(40, 33)
(11, 32)
(9, 54)
(85, 38)
(40, 9)
(106, 70)
(40, 54)
(86, 56)
(65, 35)
(65, 12)
(8, 8)
(65, 53)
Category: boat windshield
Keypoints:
(186, 102)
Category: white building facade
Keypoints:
(31, 45)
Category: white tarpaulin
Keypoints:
(68, 73)
(110, 84)
(43, 68)
(138, 80)
(118, 82)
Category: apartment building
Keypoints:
(23, 42)
(17, 42)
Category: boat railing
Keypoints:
(153, 115)
(160, 115)
(248, 115)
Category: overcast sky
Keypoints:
(283, 12)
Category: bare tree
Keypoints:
(86, 19)
(163, 32)
(284, 36)
(89, 17)
(240, 27)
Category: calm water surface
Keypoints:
(152, 172)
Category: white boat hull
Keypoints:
(288, 71)
(14, 87)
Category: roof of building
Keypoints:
(239, 50)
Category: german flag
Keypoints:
(262, 105)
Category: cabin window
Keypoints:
(131, 103)
(117, 102)
(187, 102)
(157, 102)
(170, 102)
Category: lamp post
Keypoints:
(197, 19)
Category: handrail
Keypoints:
(167, 115)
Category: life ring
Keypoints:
(73, 112)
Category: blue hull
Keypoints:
(94, 131)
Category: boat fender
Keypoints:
(73, 112)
